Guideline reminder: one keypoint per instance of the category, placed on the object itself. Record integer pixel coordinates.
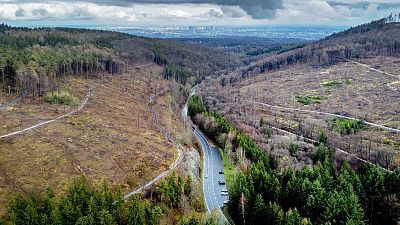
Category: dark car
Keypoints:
(221, 172)
(221, 182)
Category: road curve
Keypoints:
(212, 165)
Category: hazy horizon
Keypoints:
(194, 12)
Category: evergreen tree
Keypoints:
(262, 122)
(137, 214)
(293, 217)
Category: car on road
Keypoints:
(224, 193)
(221, 172)
(226, 202)
(221, 182)
(224, 190)
(205, 176)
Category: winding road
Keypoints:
(212, 165)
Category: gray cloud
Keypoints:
(257, 9)
(20, 13)
(365, 4)
(39, 12)
(233, 11)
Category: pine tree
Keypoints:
(262, 122)
(136, 212)
(259, 211)
(293, 217)
(105, 218)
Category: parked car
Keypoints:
(224, 190)
(221, 172)
(221, 182)
(224, 193)
(226, 202)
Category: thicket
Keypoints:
(180, 74)
(345, 126)
(84, 204)
(323, 194)
(60, 98)
(307, 100)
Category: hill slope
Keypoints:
(375, 38)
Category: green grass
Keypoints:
(230, 171)
(60, 98)
(307, 100)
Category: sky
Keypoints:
(194, 12)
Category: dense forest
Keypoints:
(330, 192)
(32, 60)
(380, 37)
(85, 204)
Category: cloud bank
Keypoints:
(181, 12)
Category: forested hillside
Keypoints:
(327, 192)
(379, 37)
(31, 60)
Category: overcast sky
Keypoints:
(194, 12)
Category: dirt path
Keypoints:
(12, 102)
(324, 113)
(382, 72)
(80, 107)
(314, 141)
(165, 133)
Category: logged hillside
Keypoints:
(312, 94)
(376, 38)
(32, 60)
(94, 104)
(313, 133)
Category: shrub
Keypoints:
(307, 100)
(345, 126)
(293, 149)
(60, 98)
(333, 83)
(267, 132)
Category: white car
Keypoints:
(224, 193)
(226, 202)
(224, 190)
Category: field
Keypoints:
(367, 90)
(113, 138)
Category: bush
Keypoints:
(333, 83)
(307, 100)
(60, 98)
(345, 126)
(267, 132)
(293, 149)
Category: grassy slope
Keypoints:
(230, 170)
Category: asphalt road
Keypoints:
(213, 164)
